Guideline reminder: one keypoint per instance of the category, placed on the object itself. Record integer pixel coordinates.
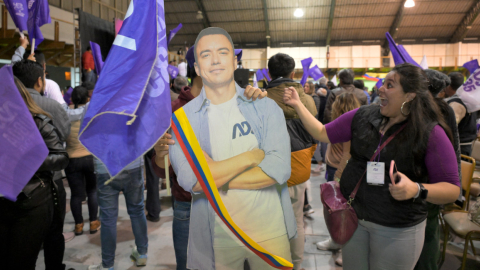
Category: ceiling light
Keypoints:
(298, 13)
(409, 4)
(199, 15)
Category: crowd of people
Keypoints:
(261, 170)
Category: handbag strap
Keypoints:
(354, 192)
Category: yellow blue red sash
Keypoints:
(191, 148)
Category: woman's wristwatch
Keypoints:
(422, 192)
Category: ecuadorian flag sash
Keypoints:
(191, 148)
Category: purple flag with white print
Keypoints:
(173, 32)
(97, 57)
(315, 73)
(471, 66)
(23, 149)
(38, 15)
(131, 106)
(172, 71)
(306, 67)
(18, 10)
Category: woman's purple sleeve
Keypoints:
(440, 158)
(340, 129)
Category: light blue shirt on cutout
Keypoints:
(268, 125)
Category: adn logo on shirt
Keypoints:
(242, 129)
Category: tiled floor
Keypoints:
(85, 249)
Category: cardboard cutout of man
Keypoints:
(247, 148)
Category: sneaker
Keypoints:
(68, 236)
(79, 229)
(328, 244)
(308, 210)
(339, 260)
(99, 267)
(94, 226)
(140, 260)
(319, 168)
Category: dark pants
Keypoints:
(466, 149)
(431, 247)
(21, 233)
(54, 242)
(152, 204)
(331, 173)
(82, 179)
(180, 228)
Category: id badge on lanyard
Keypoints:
(376, 170)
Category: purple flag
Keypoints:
(38, 15)
(259, 74)
(68, 95)
(190, 57)
(97, 57)
(131, 106)
(172, 71)
(265, 74)
(399, 54)
(379, 83)
(18, 10)
(173, 32)
(238, 53)
(315, 73)
(255, 83)
(471, 66)
(23, 148)
(306, 67)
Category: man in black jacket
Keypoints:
(32, 75)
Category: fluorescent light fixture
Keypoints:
(409, 4)
(346, 41)
(298, 13)
(368, 41)
(251, 44)
(470, 38)
(285, 43)
(429, 39)
(306, 43)
(408, 40)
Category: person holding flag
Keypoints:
(248, 160)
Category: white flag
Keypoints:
(255, 83)
(424, 63)
(334, 80)
(469, 92)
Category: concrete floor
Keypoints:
(85, 249)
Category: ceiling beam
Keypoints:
(206, 21)
(394, 28)
(330, 21)
(466, 23)
(267, 25)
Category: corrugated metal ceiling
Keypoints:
(354, 20)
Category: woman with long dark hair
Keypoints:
(80, 171)
(19, 243)
(391, 212)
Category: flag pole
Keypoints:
(167, 175)
(33, 46)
